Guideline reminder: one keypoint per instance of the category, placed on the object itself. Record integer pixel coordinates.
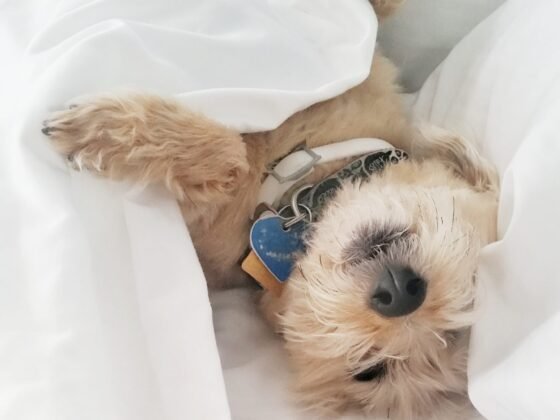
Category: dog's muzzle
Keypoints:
(399, 292)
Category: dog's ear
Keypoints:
(457, 153)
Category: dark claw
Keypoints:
(47, 130)
(72, 106)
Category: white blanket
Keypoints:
(104, 312)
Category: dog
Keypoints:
(376, 311)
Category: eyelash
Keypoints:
(375, 250)
(383, 238)
(372, 373)
(370, 244)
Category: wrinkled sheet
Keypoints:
(500, 87)
(104, 312)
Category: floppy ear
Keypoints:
(457, 153)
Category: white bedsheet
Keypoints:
(104, 312)
(501, 87)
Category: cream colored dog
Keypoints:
(410, 234)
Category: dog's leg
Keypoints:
(153, 140)
(148, 139)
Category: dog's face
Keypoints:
(376, 312)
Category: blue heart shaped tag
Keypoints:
(275, 246)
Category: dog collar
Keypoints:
(277, 235)
(284, 174)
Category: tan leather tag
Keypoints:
(256, 269)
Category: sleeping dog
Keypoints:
(366, 236)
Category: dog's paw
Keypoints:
(150, 139)
(81, 133)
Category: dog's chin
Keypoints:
(435, 407)
(402, 370)
(346, 356)
(426, 383)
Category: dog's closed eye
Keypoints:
(370, 241)
(375, 372)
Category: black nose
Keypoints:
(399, 292)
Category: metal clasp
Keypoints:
(298, 215)
(301, 172)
